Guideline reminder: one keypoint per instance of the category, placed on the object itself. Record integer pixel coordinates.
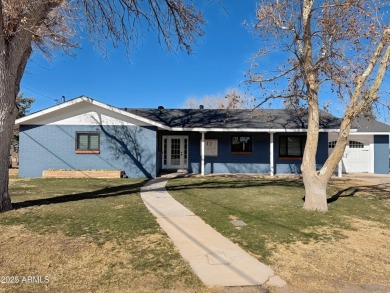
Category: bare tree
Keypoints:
(341, 46)
(232, 99)
(47, 25)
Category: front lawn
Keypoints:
(96, 235)
(86, 235)
(312, 251)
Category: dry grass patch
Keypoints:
(79, 265)
(362, 257)
(87, 235)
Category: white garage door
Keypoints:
(356, 158)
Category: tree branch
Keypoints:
(373, 92)
(363, 77)
(355, 109)
(253, 78)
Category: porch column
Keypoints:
(340, 169)
(271, 154)
(202, 154)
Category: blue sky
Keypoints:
(153, 76)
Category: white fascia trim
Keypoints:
(128, 114)
(200, 129)
(50, 110)
(93, 102)
(370, 133)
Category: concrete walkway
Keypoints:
(215, 259)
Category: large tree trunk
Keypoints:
(7, 120)
(315, 182)
(315, 186)
(14, 54)
(315, 193)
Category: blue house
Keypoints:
(85, 134)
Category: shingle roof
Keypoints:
(238, 118)
(259, 119)
(364, 124)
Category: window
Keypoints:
(332, 144)
(355, 144)
(241, 144)
(87, 143)
(291, 146)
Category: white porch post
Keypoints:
(340, 169)
(271, 154)
(202, 154)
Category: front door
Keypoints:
(175, 152)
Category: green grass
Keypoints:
(272, 210)
(100, 210)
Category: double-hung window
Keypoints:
(87, 142)
(291, 146)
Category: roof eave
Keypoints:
(41, 113)
(372, 133)
(270, 130)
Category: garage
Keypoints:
(358, 154)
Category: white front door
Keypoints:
(175, 152)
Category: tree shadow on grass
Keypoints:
(237, 184)
(114, 191)
(379, 191)
(273, 221)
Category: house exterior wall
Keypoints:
(226, 162)
(122, 147)
(258, 162)
(381, 154)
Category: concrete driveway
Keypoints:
(377, 179)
